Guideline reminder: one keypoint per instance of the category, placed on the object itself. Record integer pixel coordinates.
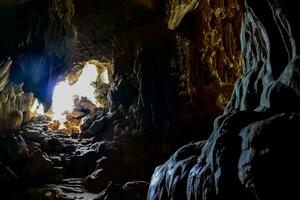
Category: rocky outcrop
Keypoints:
(209, 33)
(39, 38)
(14, 103)
(176, 10)
(173, 185)
(247, 155)
(32, 157)
(270, 61)
(15, 107)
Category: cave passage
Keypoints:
(149, 99)
(71, 104)
(94, 95)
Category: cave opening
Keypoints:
(148, 99)
(78, 96)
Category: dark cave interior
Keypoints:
(149, 99)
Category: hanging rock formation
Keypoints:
(251, 153)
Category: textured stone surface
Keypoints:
(173, 184)
(267, 157)
(218, 29)
(4, 73)
(96, 181)
(33, 163)
(209, 53)
(14, 103)
(271, 70)
(252, 147)
(135, 190)
(176, 10)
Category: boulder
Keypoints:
(99, 125)
(82, 164)
(96, 181)
(12, 149)
(268, 162)
(39, 169)
(14, 121)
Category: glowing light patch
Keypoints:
(104, 76)
(37, 108)
(64, 93)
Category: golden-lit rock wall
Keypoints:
(209, 31)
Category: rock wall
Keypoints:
(212, 29)
(12, 100)
(39, 38)
(252, 148)
(218, 28)
(176, 73)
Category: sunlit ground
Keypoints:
(64, 93)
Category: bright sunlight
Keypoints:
(64, 93)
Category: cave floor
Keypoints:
(56, 171)
(70, 188)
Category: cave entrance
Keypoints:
(79, 95)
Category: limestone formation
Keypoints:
(202, 96)
(4, 74)
(178, 9)
(14, 121)
(240, 158)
